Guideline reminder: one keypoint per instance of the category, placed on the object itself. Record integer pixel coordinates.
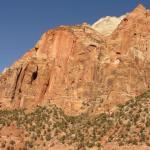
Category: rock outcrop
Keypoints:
(107, 25)
(78, 69)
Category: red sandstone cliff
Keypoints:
(78, 69)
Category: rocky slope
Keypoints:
(72, 83)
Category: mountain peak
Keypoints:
(108, 24)
(140, 8)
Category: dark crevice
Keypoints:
(34, 75)
(92, 45)
(36, 49)
(118, 53)
(125, 19)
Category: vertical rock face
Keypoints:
(53, 71)
(79, 70)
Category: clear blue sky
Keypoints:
(23, 21)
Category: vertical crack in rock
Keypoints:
(46, 84)
(16, 83)
(22, 77)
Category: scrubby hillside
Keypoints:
(128, 125)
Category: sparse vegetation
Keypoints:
(130, 124)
